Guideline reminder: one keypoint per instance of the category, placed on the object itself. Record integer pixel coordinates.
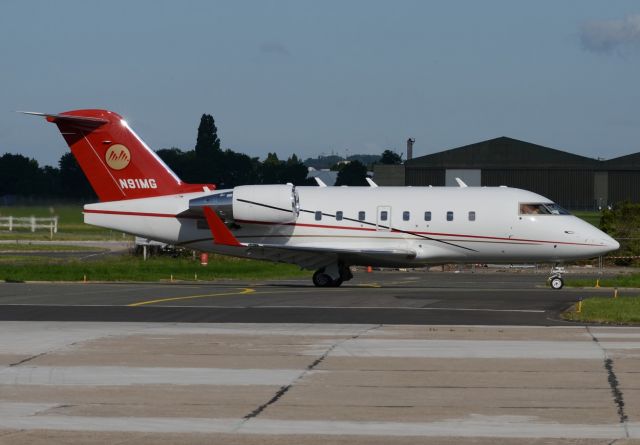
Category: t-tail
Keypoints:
(117, 163)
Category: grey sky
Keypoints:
(312, 77)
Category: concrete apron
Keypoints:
(315, 381)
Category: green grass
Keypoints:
(16, 266)
(621, 310)
(26, 247)
(70, 214)
(130, 268)
(627, 280)
(71, 224)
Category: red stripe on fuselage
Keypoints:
(326, 226)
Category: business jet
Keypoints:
(326, 229)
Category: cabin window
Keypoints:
(406, 215)
(472, 216)
(384, 215)
(318, 215)
(427, 216)
(361, 215)
(339, 215)
(449, 215)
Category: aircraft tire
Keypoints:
(556, 283)
(321, 279)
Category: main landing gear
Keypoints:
(332, 275)
(555, 279)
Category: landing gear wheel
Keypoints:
(332, 276)
(321, 279)
(556, 283)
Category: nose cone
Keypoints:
(611, 243)
(605, 242)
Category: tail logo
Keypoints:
(117, 157)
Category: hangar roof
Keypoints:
(627, 162)
(504, 152)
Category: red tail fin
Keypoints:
(118, 164)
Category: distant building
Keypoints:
(622, 178)
(389, 174)
(573, 181)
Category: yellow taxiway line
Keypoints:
(244, 291)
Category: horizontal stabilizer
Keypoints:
(55, 118)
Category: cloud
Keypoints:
(607, 36)
(275, 48)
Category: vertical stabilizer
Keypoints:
(117, 163)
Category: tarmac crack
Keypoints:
(284, 389)
(614, 384)
(26, 360)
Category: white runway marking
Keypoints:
(614, 335)
(125, 375)
(33, 416)
(468, 349)
(35, 337)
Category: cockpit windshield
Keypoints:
(536, 208)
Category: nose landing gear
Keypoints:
(555, 279)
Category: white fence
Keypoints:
(30, 222)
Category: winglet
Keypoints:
(370, 182)
(221, 233)
(461, 183)
(320, 182)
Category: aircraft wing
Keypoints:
(317, 257)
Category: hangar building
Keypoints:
(573, 181)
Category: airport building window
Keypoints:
(472, 216)
(339, 215)
(427, 216)
(361, 215)
(449, 215)
(406, 215)
(384, 215)
(318, 215)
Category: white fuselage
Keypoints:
(439, 224)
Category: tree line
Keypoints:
(21, 176)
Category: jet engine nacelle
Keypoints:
(266, 203)
(263, 203)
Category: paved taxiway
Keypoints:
(375, 298)
(429, 358)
